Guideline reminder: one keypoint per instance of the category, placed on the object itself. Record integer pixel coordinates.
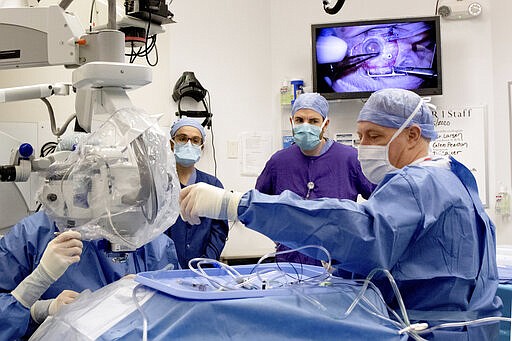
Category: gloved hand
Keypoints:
(203, 200)
(65, 297)
(41, 309)
(61, 252)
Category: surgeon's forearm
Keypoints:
(340, 226)
(295, 222)
(279, 217)
(32, 287)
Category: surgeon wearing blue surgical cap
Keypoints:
(208, 238)
(424, 222)
(398, 111)
(309, 122)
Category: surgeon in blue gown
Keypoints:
(424, 222)
(41, 271)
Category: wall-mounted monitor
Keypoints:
(354, 59)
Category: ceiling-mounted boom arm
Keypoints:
(39, 36)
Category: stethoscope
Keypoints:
(310, 186)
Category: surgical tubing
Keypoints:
(405, 326)
(272, 254)
(141, 311)
(242, 281)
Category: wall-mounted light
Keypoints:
(459, 9)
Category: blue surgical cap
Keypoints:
(391, 108)
(313, 101)
(185, 121)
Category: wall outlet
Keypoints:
(232, 149)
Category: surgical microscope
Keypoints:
(51, 35)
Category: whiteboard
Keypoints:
(462, 133)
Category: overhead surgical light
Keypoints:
(188, 86)
(459, 9)
(335, 9)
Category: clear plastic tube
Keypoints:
(216, 283)
(245, 282)
(143, 314)
(466, 323)
(319, 278)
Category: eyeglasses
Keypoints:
(183, 139)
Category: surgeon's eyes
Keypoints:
(370, 138)
(183, 139)
(374, 138)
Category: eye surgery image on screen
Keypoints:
(352, 60)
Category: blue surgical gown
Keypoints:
(425, 224)
(21, 251)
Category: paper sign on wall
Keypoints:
(256, 149)
(462, 133)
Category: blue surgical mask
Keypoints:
(307, 136)
(187, 154)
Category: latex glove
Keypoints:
(65, 297)
(61, 252)
(203, 200)
(41, 309)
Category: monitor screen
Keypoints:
(354, 59)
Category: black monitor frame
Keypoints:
(434, 86)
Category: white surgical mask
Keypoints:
(187, 154)
(375, 162)
(375, 159)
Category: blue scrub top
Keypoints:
(425, 224)
(204, 240)
(21, 251)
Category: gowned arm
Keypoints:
(14, 318)
(360, 237)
